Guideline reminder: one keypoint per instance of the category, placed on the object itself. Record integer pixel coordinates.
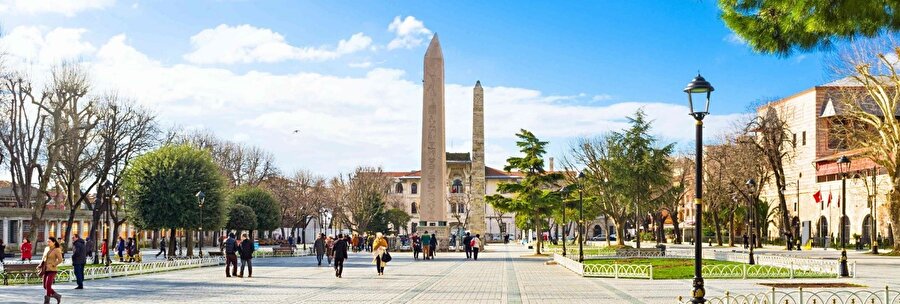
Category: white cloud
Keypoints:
(247, 44)
(68, 8)
(409, 32)
(347, 121)
(735, 39)
(601, 97)
(29, 47)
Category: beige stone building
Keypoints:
(407, 190)
(812, 168)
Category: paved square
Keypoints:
(499, 276)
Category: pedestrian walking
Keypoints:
(340, 254)
(379, 250)
(426, 245)
(104, 251)
(467, 245)
(2, 251)
(246, 256)
(231, 248)
(433, 244)
(162, 247)
(746, 240)
(120, 248)
(319, 247)
(49, 264)
(25, 250)
(129, 250)
(79, 258)
(329, 248)
(416, 245)
(475, 245)
(355, 242)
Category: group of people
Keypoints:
(127, 251)
(426, 244)
(233, 249)
(333, 249)
(472, 245)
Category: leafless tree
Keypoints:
(27, 144)
(366, 191)
(776, 144)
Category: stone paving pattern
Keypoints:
(501, 275)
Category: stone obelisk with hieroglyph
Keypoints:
(477, 190)
(434, 157)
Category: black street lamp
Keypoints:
(201, 198)
(751, 211)
(698, 86)
(844, 165)
(581, 217)
(565, 194)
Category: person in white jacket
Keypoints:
(476, 245)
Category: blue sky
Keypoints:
(253, 71)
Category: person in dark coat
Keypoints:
(120, 248)
(2, 251)
(246, 255)
(231, 248)
(466, 244)
(319, 247)
(340, 254)
(79, 258)
(433, 244)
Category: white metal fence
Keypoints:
(800, 296)
(117, 270)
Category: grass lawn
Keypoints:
(663, 268)
(589, 250)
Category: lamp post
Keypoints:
(581, 217)
(565, 194)
(698, 86)
(844, 165)
(201, 198)
(872, 210)
(751, 187)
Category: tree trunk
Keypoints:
(676, 229)
(171, 242)
(718, 227)
(731, 229)
(189, 242)
(620, 232)
(153, 240)
(65, 237)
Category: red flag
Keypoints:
(829, 198)
(839, 201)
(818, 196)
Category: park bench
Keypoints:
(214, 253)
(638, 252)
(282, 251)
(10, 270)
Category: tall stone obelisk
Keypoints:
(477, 224)
(434, 157)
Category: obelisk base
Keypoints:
(441, 232)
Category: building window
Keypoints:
(794, 140)
(399, 188)
(804, 138)
(414, 188)
(413, 208)
(457, 186)
(460, 208)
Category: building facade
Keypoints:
(811, 168)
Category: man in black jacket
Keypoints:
(467, 245)
(79, 258)
(319, 247)
(340, 254)
(246, 255)
(231, 247)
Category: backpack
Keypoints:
(229, 246)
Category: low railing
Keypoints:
(619, 271)
(569, 264)
(799, 296)
(118, 270)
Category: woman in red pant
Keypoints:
(52, 259)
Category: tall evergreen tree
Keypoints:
(536, 194)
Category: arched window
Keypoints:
(414, 189)
(457, 186)
(413, 208)
(399, 188)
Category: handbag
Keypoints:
(42, 269)
(386, 257)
